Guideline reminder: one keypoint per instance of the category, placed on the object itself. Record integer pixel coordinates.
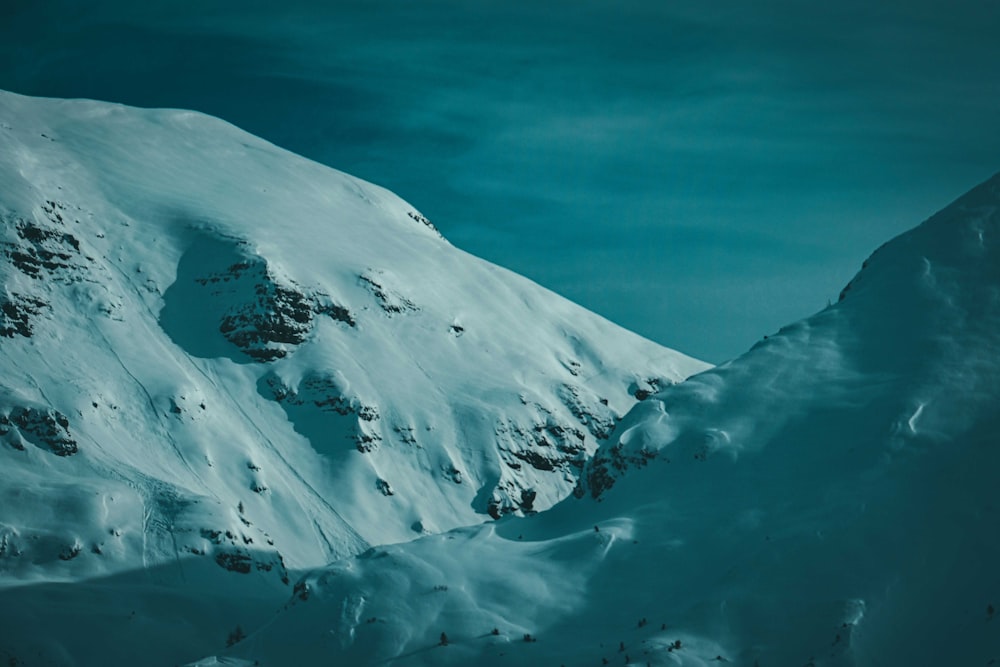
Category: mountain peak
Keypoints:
(824, 498)
(272, 363)
(254, 410)
(921, 308)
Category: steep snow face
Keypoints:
(829, 498)
(909, 353)
(214, 350)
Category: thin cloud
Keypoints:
(724, 144)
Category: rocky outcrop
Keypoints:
(552, 445)
(274, 316)
(413, 215)
(43, 250)
(17, 314)
(321, 392)
(607, 465)
(389, 300)
(591, 411)
(231, 551)
(254, 307)
(47, 429)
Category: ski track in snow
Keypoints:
(320, 505)
(151, 405)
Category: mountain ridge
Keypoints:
(247, 347)
(824, 499)
(255, 410)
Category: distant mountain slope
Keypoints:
(829, 498)
(216, 351)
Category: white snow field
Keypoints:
(255, 411)
(223, 364)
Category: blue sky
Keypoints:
(699, 175)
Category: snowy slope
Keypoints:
(222, 363)
(237, 384)
(829, 498)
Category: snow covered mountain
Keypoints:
(222, 360)
(255, 411)
(829, 498)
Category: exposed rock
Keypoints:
(602, 469)
(391, 301)
(452, 473)
(261, 313)
(277, 315)
(406, 434)
(46, 429)
(536, 460)
(333, 311)
(71, 552)
(528, 499)
(366, 441)
(549, 446)
(231, 552)
(322, 392)
(424, 221)
(592, 412)
(234, 561)
(38, 251)
(384, 487)
(509, 497)
(301, 590)
(16, 313)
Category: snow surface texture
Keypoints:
(224, 365)
(829, 498)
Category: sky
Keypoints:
(700, 173)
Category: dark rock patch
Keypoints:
(536, 460)
(47, 429)
(335, 312)
(341, 417)
(16, 314)
(594, 414)
(223, 288)
(413, 215)
(234, 561)
(606, 466)
(38, 251)
(390, 301)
